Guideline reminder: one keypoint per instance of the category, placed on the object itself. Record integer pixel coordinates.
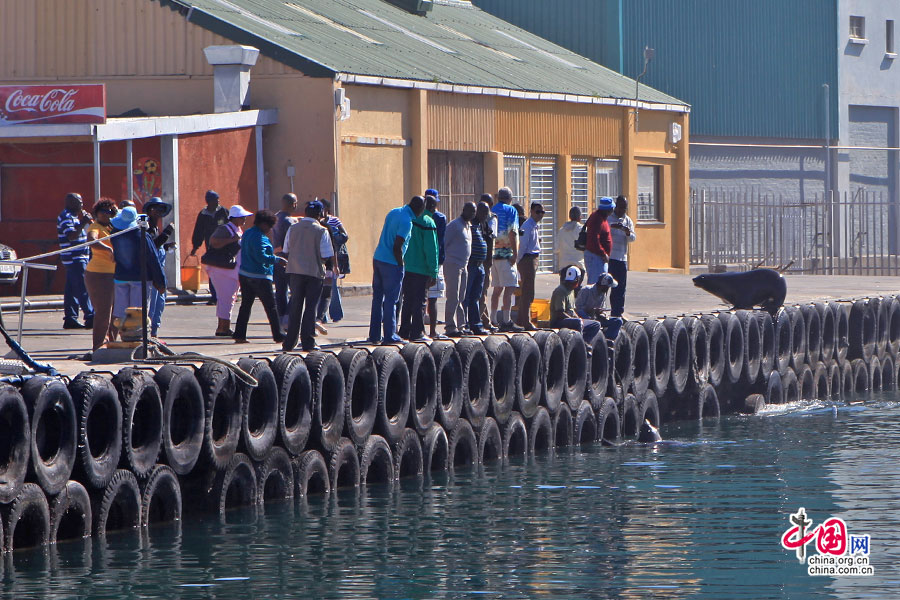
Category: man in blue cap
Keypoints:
(156, 210)
(207, 221)
(599, 240)
(127, 254)
(432, 199)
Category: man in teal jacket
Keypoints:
(421, 263)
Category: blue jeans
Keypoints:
(387, 280)
(588, 327)
(595, 266)
(619, 270)
(155, 309)
(474, 285)
(76, 295)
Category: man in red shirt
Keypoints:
(599, 240)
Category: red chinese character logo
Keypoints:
(832, 537)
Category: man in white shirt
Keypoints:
(529, 252)
(566, 237)
(622, 229)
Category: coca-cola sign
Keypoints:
(42, 104)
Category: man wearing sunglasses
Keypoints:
(529, 251)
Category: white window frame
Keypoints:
(649, 197)
(607, 178)
(889, 50)
(858, 29)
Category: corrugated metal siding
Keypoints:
(747, 68)
(461, 122)
(104, 38)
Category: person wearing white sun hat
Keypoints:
(222, 262)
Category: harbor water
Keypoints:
(701, 515)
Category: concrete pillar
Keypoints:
(169, 159)
(629, 167)
(262, 199)
(563, 188)
(418, 133)
(231, 75)
(493, 173)
(682, 200)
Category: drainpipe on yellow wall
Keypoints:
(681, 256)
(336, 125)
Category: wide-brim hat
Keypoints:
(156, 201)
(237, 211)
(125, 219)
(606, 203)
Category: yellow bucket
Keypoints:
(540, 310)
(190, 274)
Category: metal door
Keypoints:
(542, 179)
(579, 192)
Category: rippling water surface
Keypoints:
(698, 516)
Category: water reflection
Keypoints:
(699, 516)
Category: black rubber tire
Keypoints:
(699, 349)
(360, 395)
(515, 436)
(540, 432)
(53, 434)
(836, 382)
(784, 341)
(117, 506)
(393, 394)
(649, 406)
(829, 331)
(408, 459)
(161, 500)
(435, 450)
(622, 361)
(99, 429)
(767, 356)
(752, 347)
(26, 520)
(422, 386)
(848, 381)
(715, 338)
(732, 347)
(311, 474)
(503, 377)
(529, 374)
(490, 442)
(753, 404)
(576, 367)
(813, 323)
(376, 462)
(608, 424)
(70, 513)
(680, 346)
(563, 425)
(862, 325)
(660, 346)
(893, 326)
(142, 420)
(879, 307)
(184, 416)
(234, 486)
(791, 385)
(275, 477)
(842, 330)
(223, 412)
(598, 381)
(462, 447)
(875, 379)
(821, 382)
(295, 402)
(553, 371)
(449, 383)
(640, 382)
(585, 425)
(259, 421)
(708, 403)
(860, 377)
(476, 380)
(799, 339)
(343, 466)
(328, 386)
(807, 383)
(631, 423)
(888, 374)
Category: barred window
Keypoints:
(648, 204)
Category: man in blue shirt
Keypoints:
(70, 232)
(387, 270)
(504, 275)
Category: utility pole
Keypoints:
(649, 53)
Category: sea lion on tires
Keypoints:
(765, 288)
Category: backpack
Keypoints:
(581, 240)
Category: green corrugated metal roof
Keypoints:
(455, 43)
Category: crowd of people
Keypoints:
(292, 266)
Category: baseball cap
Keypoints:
(607, 280)
(211, 195)
(606, 203)
(573, 273)
(237, 211)
(314, 205)
(433, 192)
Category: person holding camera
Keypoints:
(70, 231)
(622, 229)
(156, 210)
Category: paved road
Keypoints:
(191, 327)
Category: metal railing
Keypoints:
(838, 234)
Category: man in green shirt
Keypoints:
(421, 264)
(562, 305)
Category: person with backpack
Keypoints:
(330, 300)
(598, 241)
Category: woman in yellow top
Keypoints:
(99, 274)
